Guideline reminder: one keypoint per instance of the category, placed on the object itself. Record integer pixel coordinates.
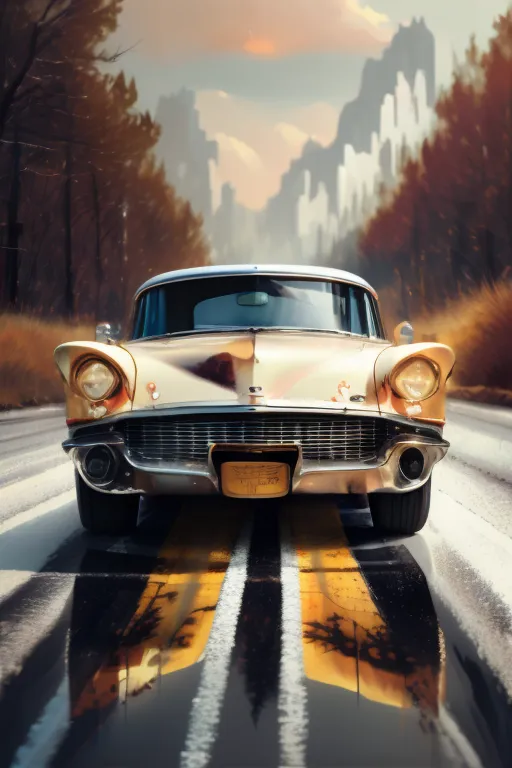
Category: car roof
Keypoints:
(225, 270)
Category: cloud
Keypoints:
(260, 28)
(230, 144)
(292, 135)
(257, 142)
(367, 14)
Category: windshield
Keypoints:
(256, 301)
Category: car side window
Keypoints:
(151, 314)
(372, 325)
(358, 320)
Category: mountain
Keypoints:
(328, 191)
(186, 151)
(412, 50)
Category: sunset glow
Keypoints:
(260, 47)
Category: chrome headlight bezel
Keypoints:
(399, 371)
(86, 367)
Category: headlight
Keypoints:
(96, 380)
(416, 379)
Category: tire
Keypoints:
(106, 513)
(403, 513)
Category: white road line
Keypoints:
(455, 743)
(207, 704)
(36, 620)
(471, 565)
(20, 496)
(38, 511)
(293, 716)
(20, 466)
(10, 581)
(47, 733)
(35, 414)
(485, 549)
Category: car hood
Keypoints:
(272, 368)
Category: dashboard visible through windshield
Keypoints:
(256, 301)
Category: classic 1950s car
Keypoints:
(255, 382)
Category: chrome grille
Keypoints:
(322, 438)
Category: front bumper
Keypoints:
(383, 474)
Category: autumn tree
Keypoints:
(448, 225)
(77, 167)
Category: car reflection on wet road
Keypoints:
(234, 634)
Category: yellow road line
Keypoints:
(346, 641)
(175, 613)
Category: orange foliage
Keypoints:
(28, 375)
(478, 329)
(98, 215)
(448, 226)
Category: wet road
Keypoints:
(233, 634)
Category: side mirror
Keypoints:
(404, 333)
(108, 333)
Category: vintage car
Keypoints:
(255, 382)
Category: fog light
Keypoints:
(412, 463)
(99, 464)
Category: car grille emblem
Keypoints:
(256, 395)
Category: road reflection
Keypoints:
(369, 623)
(130, 631)
(373, 649)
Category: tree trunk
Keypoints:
(489, 251)
(404, 294)
(97, 253)
(69, 293)
(14, 229)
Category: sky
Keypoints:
(269, 74)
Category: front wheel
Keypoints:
(106, 513)
(403, 513)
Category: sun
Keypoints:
(260, 47)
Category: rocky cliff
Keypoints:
(186, 151)
(412, 50)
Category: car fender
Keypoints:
(69, 357)
(431, 409)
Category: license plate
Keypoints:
(251, 480)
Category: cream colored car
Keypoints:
(255, 382)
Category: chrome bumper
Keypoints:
(314, 477)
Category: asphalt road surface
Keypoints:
(235, 634)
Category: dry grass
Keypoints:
(479, 329)
(28, 375)
(488, 395)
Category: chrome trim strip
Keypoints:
(317, 477)
(88, 441)
(235, 270)
(199, 409)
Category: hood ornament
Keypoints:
(255, 394)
